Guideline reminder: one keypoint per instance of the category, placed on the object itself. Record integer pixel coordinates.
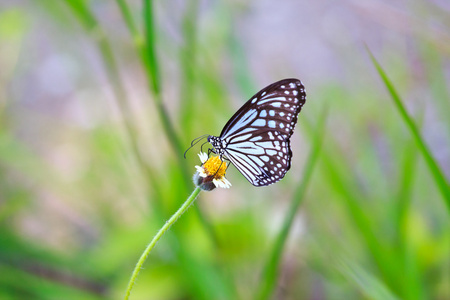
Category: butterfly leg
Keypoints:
(219, 167)
(228, 164)
(210, 150)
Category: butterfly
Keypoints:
(256, 140)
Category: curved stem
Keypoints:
(160, 233)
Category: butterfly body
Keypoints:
(256, 139)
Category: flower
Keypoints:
(211, 173)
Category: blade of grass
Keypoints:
(154, 75)
(368, 283)
(128, 18)
(146, 49)
(270, 272)
(91, 25)
(405, 188)
(187, 57)
(149, 29)
(146, 52)
(437, 173)
(412, 287)
(26, 285)
(149, 57)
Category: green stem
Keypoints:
(160, 233)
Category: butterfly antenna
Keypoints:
(201, 147)
(194, 142)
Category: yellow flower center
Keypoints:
(216, 167)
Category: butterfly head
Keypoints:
(218, 144)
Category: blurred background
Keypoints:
(99, 100)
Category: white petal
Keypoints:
(201, 171)
(226, 182)
(217, 183)
(222, 183)
(203, 157)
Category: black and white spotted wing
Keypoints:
(257, 137)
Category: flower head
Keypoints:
(211, 173)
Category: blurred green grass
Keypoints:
(88, 176)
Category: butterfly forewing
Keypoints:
(257, 137)
(279, 102)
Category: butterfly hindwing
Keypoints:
(264, 161)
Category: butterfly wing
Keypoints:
(257, 137)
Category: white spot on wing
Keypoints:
(255, 138)
(259, 122)
(271, 152)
